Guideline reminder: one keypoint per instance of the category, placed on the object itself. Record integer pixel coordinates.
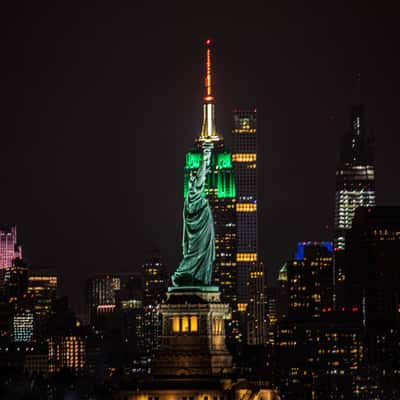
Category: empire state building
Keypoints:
(221, 194)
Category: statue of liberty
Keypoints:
(198, 242)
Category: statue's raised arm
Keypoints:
(198, 244)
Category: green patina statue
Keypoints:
(198, 242)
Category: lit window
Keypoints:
(193, 323)
(175, 324)
(218, 326)
(185, 324)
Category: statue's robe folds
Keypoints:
(198, 242)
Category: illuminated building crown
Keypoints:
(208, 130)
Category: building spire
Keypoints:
(208, 80)
(208, 130)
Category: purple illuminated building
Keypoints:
(9, 249)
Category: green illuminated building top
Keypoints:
(220, 182)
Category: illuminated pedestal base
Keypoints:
(193, 334)
(193, 362)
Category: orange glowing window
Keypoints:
(246, 257)
(194, 325)
(175, 324)
(244, 157)
(218, 326)
(246, 207)
(185, 324)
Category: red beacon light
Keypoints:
(208, 42)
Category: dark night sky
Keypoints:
(100, 103)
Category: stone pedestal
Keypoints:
(193, 334)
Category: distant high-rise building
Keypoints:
(41, 294)
(14, 281)
(221, 194)
(320, 358)
(282, 293)
(372, 265)
(355, 187)
(256, 312)
(319, 351)
(67, 352)
(309, 280)
(355, 176)
(22, 326)
(42, 290)
(251, 292)
(9, 249)
(101, 292)
(155, 278)
(66, 340)
(271, 314)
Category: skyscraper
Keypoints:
(101, 293)
(322, 358)
(355, 187)
(42, 290)
(221, 194)
(67, 352)
(318, 350)
(372, 259)
(155, 278)
(9, 249)
(22, 326)
(309, 278)
(14, 281)
(155, 285)
(271, 314)
(355, 176)
(251, 287)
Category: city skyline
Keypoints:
(72, 188)
(205, 202)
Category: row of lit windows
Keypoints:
(50, 279)
(244, 157)
(384, 232)
(246, 207)
(245, 130)
(188, 398)
(256, 274)
(185, 324)
(246, 257)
